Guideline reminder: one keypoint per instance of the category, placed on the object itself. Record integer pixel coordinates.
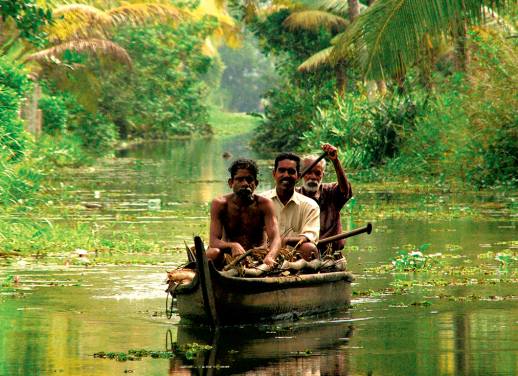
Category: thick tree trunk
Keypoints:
(354, 9)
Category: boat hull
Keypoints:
(216, 299)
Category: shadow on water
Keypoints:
(307, 348)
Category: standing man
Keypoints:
(298, 215)
(239, 220)
(331, 197)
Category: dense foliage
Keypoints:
(13, 86)
(151, 72)
(370, 132)
(291, 104)
(161, 95)
(436, 122)
(164, 93)
(465, 128)
(15, 179)
(27, 17)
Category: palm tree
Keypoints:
(85, 28)
(393, 34)
(313, 19)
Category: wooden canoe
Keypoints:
(215, 299)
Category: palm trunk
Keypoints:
(382, 87)
(341, 66)
(341, 78)
(381, 84)
(461, 54)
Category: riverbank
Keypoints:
(55, 222)
(144, 204)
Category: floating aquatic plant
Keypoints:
(189, 351)
(506, 259)
(414, 260)
(7, 281)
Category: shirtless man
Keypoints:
(239, 220)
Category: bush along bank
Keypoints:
(434, 123)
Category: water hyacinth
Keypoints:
(413, 260)
(506, 259)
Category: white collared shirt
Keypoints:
(300, 215)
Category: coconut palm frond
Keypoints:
(232, 36)
(76, 21)
(227, 31)
(221, 3)
(90, 46)
(250, 9)
(81, 10)
(210, 8)
(317, 60)
(335, 6)
(140, 13)
(314, 20)
(498, 22)
(391, 33)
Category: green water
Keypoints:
(58, 316)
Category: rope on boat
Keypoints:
(169, 340)
(170, 308)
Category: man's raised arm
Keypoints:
(332, 154)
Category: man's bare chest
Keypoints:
(248, 217)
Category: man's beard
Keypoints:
(311, 185)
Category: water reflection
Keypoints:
(67, 315)
(303, 349)
(476, 339)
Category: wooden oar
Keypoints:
(343, 235)
(310, 167)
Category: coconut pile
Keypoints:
(289, 262)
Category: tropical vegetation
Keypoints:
(405, 88)
(97, 72)
(402, 86)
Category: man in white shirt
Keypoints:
(298, 216)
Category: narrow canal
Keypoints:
(458, 317)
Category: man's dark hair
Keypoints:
(291, 157)
(243, 164)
